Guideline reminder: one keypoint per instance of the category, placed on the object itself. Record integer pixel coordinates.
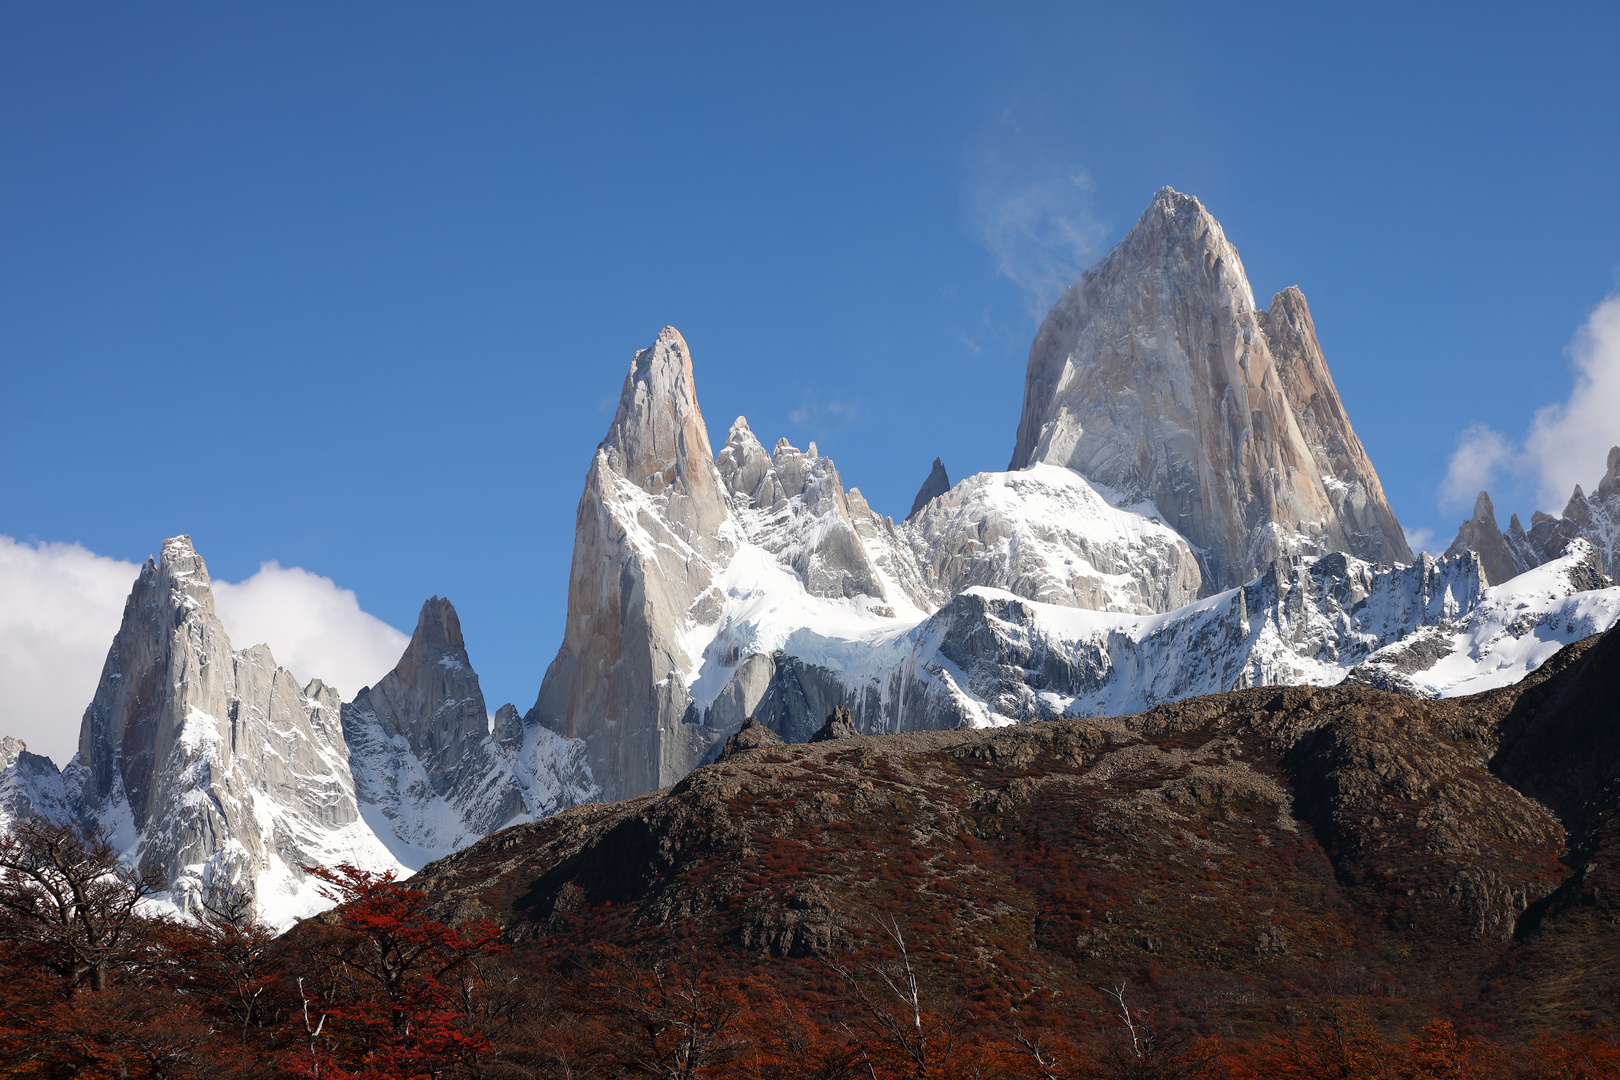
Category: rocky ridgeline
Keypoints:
(1241, 846)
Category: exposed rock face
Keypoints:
(1479, 534)
(839, 725)
(1593, 518)
(1048, 535)
(430, 774)
(936, 485)
(1155, 375)
(753, 735)
(652, 532)
(208, 762)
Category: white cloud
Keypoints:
(315, 628)
(1040, 233)
(1568, 443)
(61, 605)
(1481, 453)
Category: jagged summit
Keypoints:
(932, 488)
(1156, 376)
(210, 763)
(652, 531)
(1481, 535)
(430, 774)
(1594, 518)
(658, 441)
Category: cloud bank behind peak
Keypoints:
(61, 604)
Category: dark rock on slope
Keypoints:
(936, 485)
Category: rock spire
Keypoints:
(652, 530)
(936, 485)
(1594, 518)
(1157, 376)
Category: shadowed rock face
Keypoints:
(1480, 534)
(936, 485)
(431, 701)
(1156, 375)
(652, 530)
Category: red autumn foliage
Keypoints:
(382, 988)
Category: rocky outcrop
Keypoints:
(936, 485)
(839, 725)
(652, 533)
(753, 735)
(1155, 375)
(1593, 518)
(208, 763)
(432, 773)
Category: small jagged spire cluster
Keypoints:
(1505, 555)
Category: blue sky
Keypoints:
(354, 287)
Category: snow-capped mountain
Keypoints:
(211, 764)
(431, 772)
(1156, 374)
(1188, 511)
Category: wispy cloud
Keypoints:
(1419, 539)
(61, 605)
(819, 418)
(1039, 230)
(1568, 443)
(1480, 456)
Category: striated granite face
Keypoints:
(1156, 375)
(431, 771)
(205, 761)
(652, 531)
(1594, 518)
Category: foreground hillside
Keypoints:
(1228, 857)
(1301, 881)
